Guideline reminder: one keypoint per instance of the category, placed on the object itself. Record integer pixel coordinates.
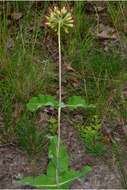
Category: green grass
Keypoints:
(7, 130)
(25, 67)
(98, 71)
(29, 138)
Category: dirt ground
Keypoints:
(14, 164)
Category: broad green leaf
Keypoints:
(68, 177)
(64, 162)
(52, 149)
(63, 156)
(41, 101)
(71, 175)
(43, 181)
(77, 101)
(51, 170)
(49, 182)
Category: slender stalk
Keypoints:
(59, 108)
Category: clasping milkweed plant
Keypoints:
(57, 20)
(58, 173)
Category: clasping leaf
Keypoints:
(41, 101)
(77, 101)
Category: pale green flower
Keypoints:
(59, 16)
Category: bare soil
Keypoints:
(14, 164)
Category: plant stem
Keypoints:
(59, 108)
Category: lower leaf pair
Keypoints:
(66, 175)
(46, 100)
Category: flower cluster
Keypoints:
(59, 16)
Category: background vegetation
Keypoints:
(94, 66)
